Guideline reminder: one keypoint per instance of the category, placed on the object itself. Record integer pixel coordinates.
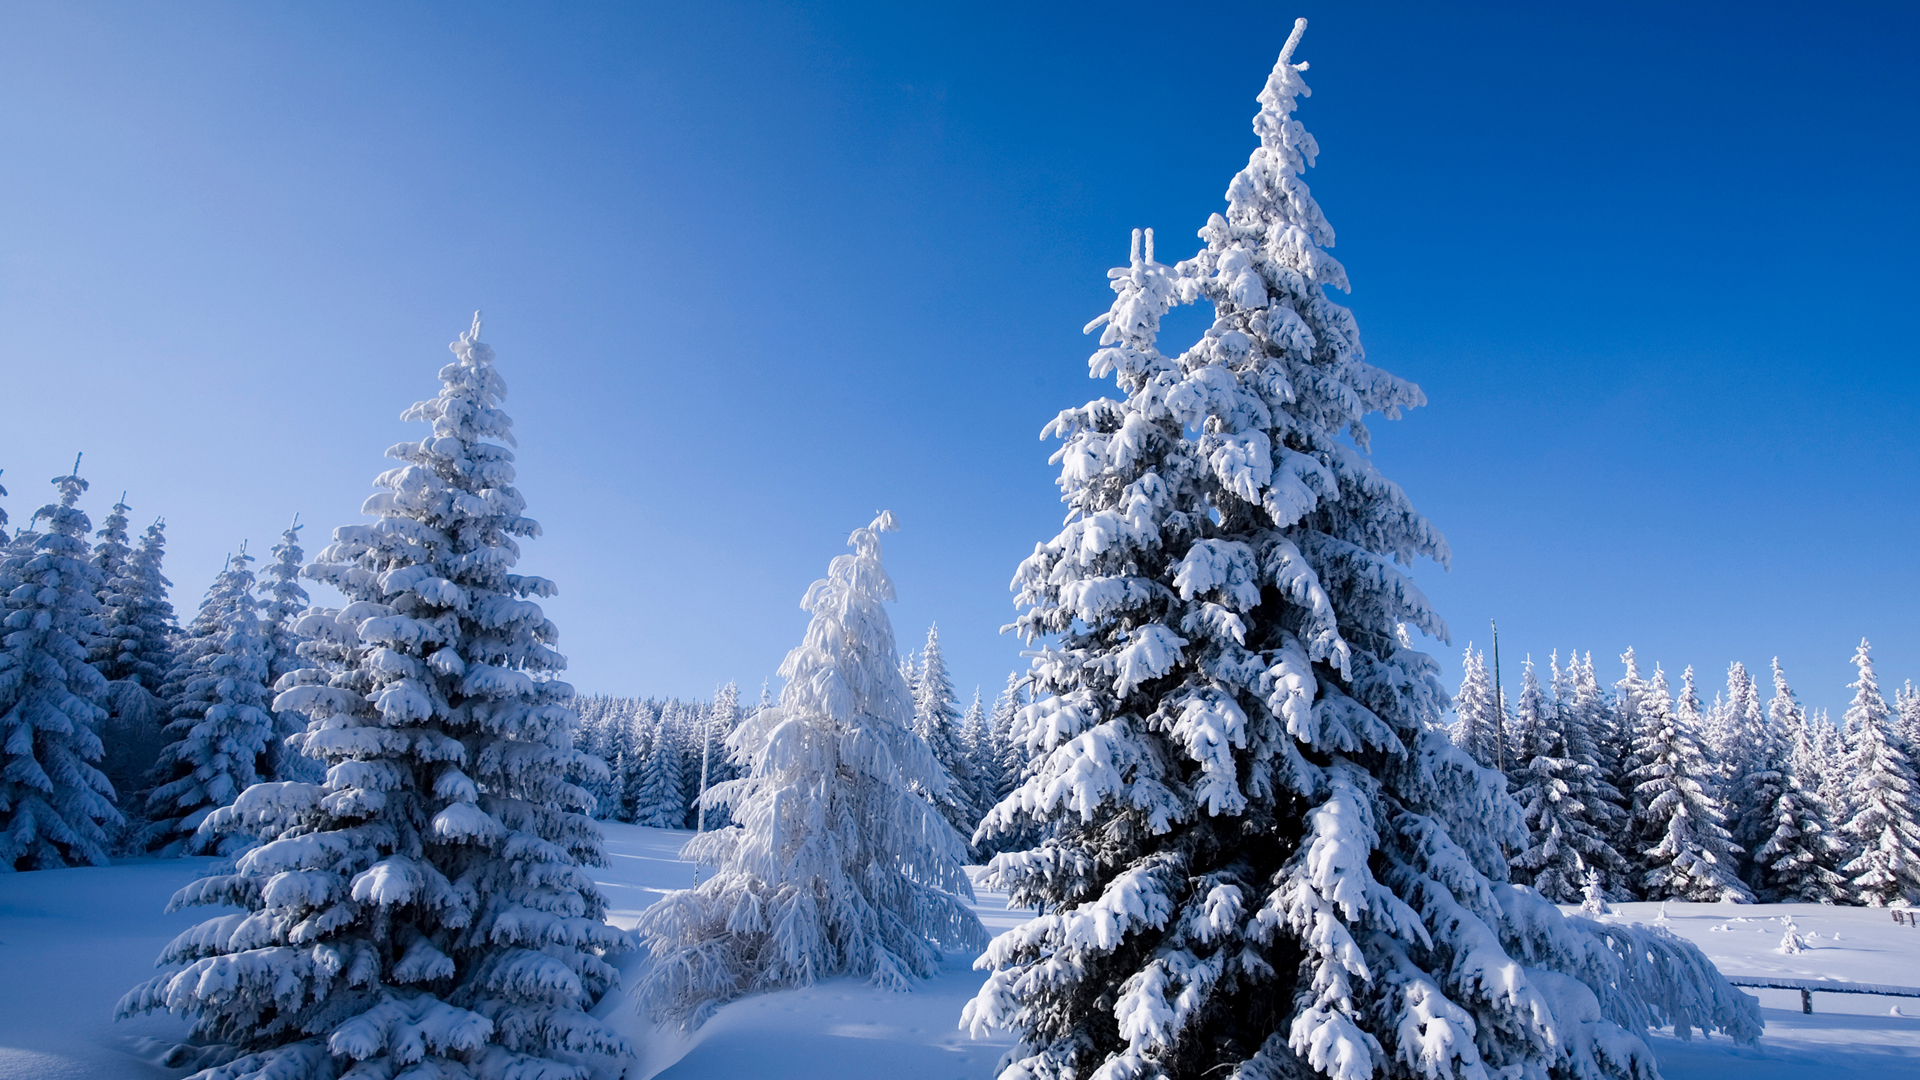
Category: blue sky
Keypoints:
(754, 271)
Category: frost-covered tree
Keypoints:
(282, 603)
(1907, 708)
(1263, 857)
(1586, 714)
(1881, 829)
(936, 719)
(1614, 732)
(221, 734)
(1686, 849)
(1530, 716)
(1013, 751)
(1474, 729)
(425, 911)
(134, 652)
(982, 779)
(1552, 784)
(660, 801)
(55, 804)
(1794, 859)
(836, 864)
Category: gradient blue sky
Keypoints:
(754, 271)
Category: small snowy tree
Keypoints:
(1883, 835)
(1473, 708)
(836, 864)
(1686, 848)
(1262, 857)
(283, 602)
(1013, 751)
(1563, 848)
(1907, 705)
(425, 911)
(1584, 713)
(55, 804)
(660, 801)
(221, 734)
(1795, 850)
(133, 653)
(936, 719)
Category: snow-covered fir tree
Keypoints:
(1907, 710)
(1881, 830)
(936, 719)
(836, 864)
(1614, 730)
(134, 653)
(1793, 862)
(660, 801)
(983, 757)
(1530, 715)
(1563, 846)
(1686, 849)
(221, 734)
(55, 804)
(1013, 751)
(1586, 713)
(425, 911)
(283, 602)
(722, 717)
(1473, 708)
(1263, 857)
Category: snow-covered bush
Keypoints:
(426, 910)
(837, 863)
(1263, 856)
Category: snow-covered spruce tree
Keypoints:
(1562, 845)
(134, 653)
(1685, 846)
(659, 798)
(1473, 708)
(425, 911)
(1907, 708)
(722, 716)
(936, 719)
(1013, 752)
(1530, 715)
(221, 734)
(1584, 711)
(1614, 733)
(983, 757)
(55, 805)
(1882, 831)
(1264, 857)
(1794, 862)
(283, 603)
(836, 863)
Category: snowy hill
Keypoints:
(72, 941)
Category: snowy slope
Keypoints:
(72, 941)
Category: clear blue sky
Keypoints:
(754, 271)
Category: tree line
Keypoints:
(1658, 796)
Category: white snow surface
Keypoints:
(72, 941)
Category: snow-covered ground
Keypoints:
(72, 941)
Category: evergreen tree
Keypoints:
(1686, 848)
(1261, 854)
(1614, 733)
(983, 757)
(134, 653)
(1584, 713)
(283, 602)
(837, 865)
(55, 804)
(1907, 705)
(661, 800)
(221, 733)
(1883, 836)
(1794, 861)
(1531, 715)
(1013, 751)
(1473, 708)
(936, 719)
(1563, 846)
(424, 911)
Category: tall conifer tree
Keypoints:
(1262, 857)
(55, 803)
(426, 910)
(1882, 831)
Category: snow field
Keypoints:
(72, 941)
